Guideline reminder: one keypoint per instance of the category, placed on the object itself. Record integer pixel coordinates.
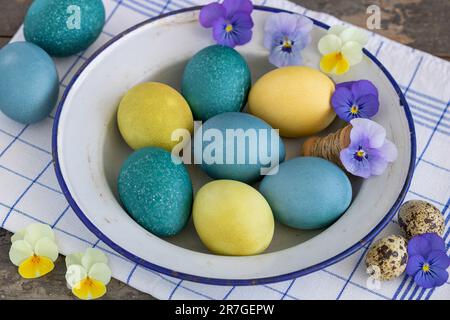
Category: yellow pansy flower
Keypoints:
(88, 274)
(341, 48)
(34, 250)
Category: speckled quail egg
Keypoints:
(387, 258)
(418, 217)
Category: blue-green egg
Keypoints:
(216, 80)
(29, 82)
(307, 192)
(156, 192)
(237, 146)
(64, 27)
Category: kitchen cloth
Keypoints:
(30, 193)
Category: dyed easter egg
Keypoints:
(216, 80)
(150, 112)
(64, 27)
(232, 218)
(237, 146)
(307, 192)
(29, 82)
(155, 191)
(294, 99)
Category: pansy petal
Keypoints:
(336, 29)
(342, 101)
(74, 274)
(354, 34)
(35, 267)
(233, 6)
(20, 251)
(355, 167)
(89, 289)
(272, 23)
(210, 13)
(221, 36)
(417, 246)
(378, 163)
(100, 272)
(329, 44)
(414, 265)
(19, 235)
(388, 151)
(363, 88)
(93, 256)
(368, 129)
(439, 259)
(74, 258)
(440, 276)
(352, 52)
(424, 279)
(435, 241)
(46, 248)
(304, 24)
(37, 231)
(244, 37)
(368, 105)
(280, 58)
(348, 85)
(342, 66)
(242, 21)
(334, 63)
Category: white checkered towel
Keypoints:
(29, 191)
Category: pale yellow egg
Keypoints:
(150, 112)
(232, 218)
(295, 100)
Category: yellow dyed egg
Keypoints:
(150, 112)
(232, 218)
(296, 100)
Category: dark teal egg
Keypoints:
(216, 80)
(250, 147)
(28, 82)
(155, 191)
(307, 192)
(64, 27)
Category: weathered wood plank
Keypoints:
(422, 24)
(12, 13)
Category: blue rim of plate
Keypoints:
(216, 281)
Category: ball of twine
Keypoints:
(328, 147)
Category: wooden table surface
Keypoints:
(422, 24)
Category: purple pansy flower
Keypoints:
(231, 21)
(369, 151)
(428, 261)
(286, 35)
(355, 99)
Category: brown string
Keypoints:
(328, 147)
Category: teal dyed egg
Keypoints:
(28, 82)
(307, 193)
(155, 191)
(216, 80)
(244, 147)
(64, 27)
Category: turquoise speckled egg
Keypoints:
(216, 80)
(64, 27)
(155, 191)
(307, 193)
(28, 82)
(245, 149)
